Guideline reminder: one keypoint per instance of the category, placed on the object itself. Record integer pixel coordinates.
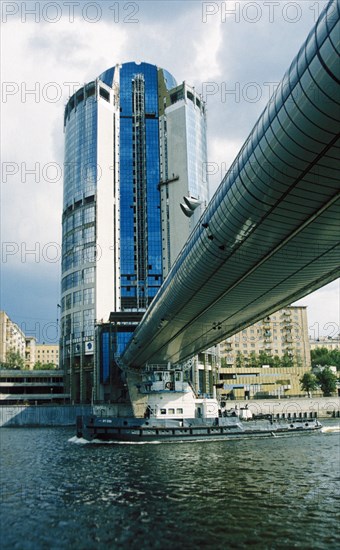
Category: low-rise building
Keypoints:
(47, 354)
(30, 359)
(32, 387)
(325, 342)
(12, 338)
(44, 354)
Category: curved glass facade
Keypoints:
(80, 152)
(79, 231)
(79, 225)
(112, 252)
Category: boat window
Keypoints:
(163, 411)
(171, 411)
(178, 376)
(179, 411)
(158, 376)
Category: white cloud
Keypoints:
(206, 46)
(221, 154)
(323, 310)
(169, 34)
(43, 59)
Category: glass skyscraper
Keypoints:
(134, 186)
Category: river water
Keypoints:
(281, 492)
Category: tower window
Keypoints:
(190, 96)
(104, 94)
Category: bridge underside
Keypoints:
(270, 235)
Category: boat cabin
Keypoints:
(170, 396)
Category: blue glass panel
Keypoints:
(128, 204)
(81, 152)
(169, 80)
(107, 76)
(122, 340)
(105, 354)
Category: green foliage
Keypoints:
(308, 382)
(265, 358)
(276, 362)
(325, 358)
(253, 360)
(13, 360)
(43, 366)
(257, 360)
(286, 360)
(240, 360)
(327, 381)
(223, 362)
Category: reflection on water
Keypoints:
(267, 493)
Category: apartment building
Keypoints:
(11, 338)
(268, 358)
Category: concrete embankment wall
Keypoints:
(65, 415)
(321, 407)
(51, 415)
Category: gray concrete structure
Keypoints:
(29, 387)
(54, 415)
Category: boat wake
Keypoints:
(78, 440)
(330, 429)
(81, 441)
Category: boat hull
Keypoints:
(134, 430)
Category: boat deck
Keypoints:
(105, 429)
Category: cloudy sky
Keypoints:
(234, 53)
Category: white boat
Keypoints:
(173, 411)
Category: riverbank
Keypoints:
(65, 415)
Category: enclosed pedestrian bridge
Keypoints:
(270, 234)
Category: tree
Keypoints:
(224, 363)
(325, 358)
(265, 358)
(308, 382)
(286, 360)
(334, 355)
(276, 362)
(253, 360)
(239, 361)
(14, 360)
(327, 381)
(43, 366)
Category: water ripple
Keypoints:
(270, 493)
